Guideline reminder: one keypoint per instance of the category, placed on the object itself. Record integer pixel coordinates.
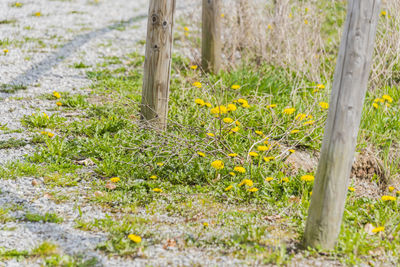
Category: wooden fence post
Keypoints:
(157, 66)
(211, 36)
(340, 137)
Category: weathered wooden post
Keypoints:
(157, 65)
(340, 138)
(211, 36)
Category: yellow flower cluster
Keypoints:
(385, 99)
(307, 178)
(49, 134)
(289, 111)
(217, 164)
(246, 182)
(324, 105)
(135, 238)
(56, 94)
(378, 229)
(239, 169)
(115, 180)
(219, 110)
(201, 154)
(388, 198)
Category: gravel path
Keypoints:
(41, 53)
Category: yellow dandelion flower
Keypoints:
(269, 179)
(378, 229)
(56, 94)
(199, 101)
(375, 105)
(157, 190)
(160, 164)
(268, 159)
(217, 164)
(352, 189)
(252, 190)
(115, 180)
(59, 104)
(222, 15)
(305, 21)
(307, 178)
(232, 173)
(397, 192)
(231, 107)
(205, 224)
(239, 169)
(234, 130)
(235, 87)
(186, 29)
(18, 4)
(292, 150)
(227, 120)
(383, 13)
(193, 67)
(232, 155)
(246, 105)
(285, 179)
(219, 110)
(38, 14)
(263, 148)
(320, 86)
(201, 154)
(310, 122)
(391, 188)
(210, 134)
(324, 105)
(289, 111)
(271, 106)
(388, 98)
(50, 134)
(269, 27)
(135, 238)
(300, 117)
(208, 104)
(241, 101)
(294, 131)
(247, 182)
(237, 123)
(259, 133)
(388, 198)
(5, 51)
(197, 84)
(228, 188)
(253, 154)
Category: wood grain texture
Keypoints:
(211, 36)
(340, 137)
(157, 66)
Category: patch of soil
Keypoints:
(367, 175)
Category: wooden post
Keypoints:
(340, 138)
(157, 65)
(211, 39)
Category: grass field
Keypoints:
(229, 168)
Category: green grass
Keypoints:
(171, 172)
(46, 218)
(111, 135)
